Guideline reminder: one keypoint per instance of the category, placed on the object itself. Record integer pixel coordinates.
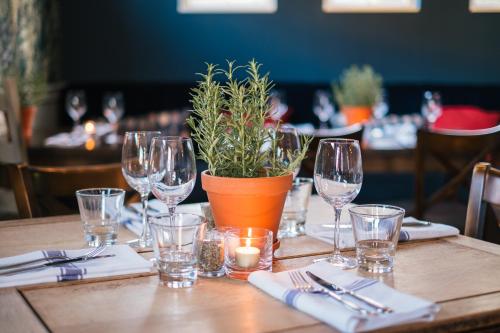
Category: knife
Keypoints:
(333, 287)
(50, 264)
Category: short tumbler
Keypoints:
(293, 219)
(175, 244)
(100, 211)
(376, 233)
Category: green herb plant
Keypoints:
(358, 87)
(228, 124)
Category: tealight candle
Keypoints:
(247, 256)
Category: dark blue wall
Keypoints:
(137, 40)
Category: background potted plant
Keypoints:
(358, 91)
(247, 179)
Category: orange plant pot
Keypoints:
(356, 114)
(247, 202)
(28, 114)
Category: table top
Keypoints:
(459, 273)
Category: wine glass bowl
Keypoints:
(288, 146)
(338, 176)
(172, 172)
(76, 105)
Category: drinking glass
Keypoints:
(172, 169)
(431, 107)
(100, 211)
(338, 176)
(323, 107)
(293, 219)
(376, 232)
(288, 146)
(76, 105)
(135, 165)
(176, 238)
(112, 109)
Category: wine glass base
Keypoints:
(340, 261)
(140, 244)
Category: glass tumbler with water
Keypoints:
(175, 241)
(100, 211)
(376, 232)
(293, 219)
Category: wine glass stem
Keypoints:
(145, 236)
(336, 236)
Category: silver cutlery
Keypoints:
(27, 265)
(300, 283)
(417, 223)
(337, 289)
(48, 258)
(50, 264)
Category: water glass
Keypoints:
(100, 211)
(175, 244)
(293, 220)
(376, 232)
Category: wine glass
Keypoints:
(338, 176)
(113, 110)
(288, 146)
(172, 169)
(431, 107)
(135, 165)
(323, 107)
(76, 106)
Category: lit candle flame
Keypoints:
(248, 242)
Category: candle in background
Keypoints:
(247, 256)
(89, 127)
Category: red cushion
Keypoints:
(467, 118)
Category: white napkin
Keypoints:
(324, 232)
(407, 308)
(132, 220)
(125, 261)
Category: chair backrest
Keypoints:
(456, 151)
(45, 191)
(484, 190)
(12, 148)
(351, 132)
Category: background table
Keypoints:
(459, 273)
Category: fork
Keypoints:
(301, 284)
(63, 257)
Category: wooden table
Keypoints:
(461, 274)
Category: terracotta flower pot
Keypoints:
(247, 202)
(28, 114)
(356, 114)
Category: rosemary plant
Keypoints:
(228, 124)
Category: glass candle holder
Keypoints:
(247, 250)
(210, 253)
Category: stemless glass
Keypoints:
(172, 169)
(338, 176)
(135, 165)
(76, 105)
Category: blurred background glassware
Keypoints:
(338, 176)
(432, 107)
(172, 169)
(175, 241)
(247, 250)
(76, 106)
(278, 107)
(293, 219)
(100, 212)
(210, 253)
(376, 232)
(323, 107)
(381, 108)
(113, 110)
(135, 165)
(288, 146)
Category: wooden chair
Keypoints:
(350, 132)
(484, 191)
(456, 152)
(46, 191)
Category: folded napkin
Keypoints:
(324, 232)
(125, 261)
(132, 219)
(407, 308)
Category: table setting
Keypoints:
(257, 206)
